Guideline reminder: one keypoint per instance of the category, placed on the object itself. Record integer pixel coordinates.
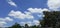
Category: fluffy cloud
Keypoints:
(30, 23)
(28, 15)
(6, 19)
(54, 5)
(41, 15)
(22, 23)
(37, 10)
(36, 22)
(3, 21)
(20, 15)
(11, 3)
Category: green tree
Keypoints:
(26, 26)
(50, 19)
(34, 26)
(16, 25)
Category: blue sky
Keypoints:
(22, 5)
(25, 11)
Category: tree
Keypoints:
(50, 19)
(16, 25)
(26, 26)
(34, 26)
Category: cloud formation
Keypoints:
(6, 19)
(54, 5)
(37, 10)
(28, 15)
(3, 21)
(36, 22)
(11, 3)
(30, 23)
(20, 15)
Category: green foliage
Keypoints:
(16, 25)
(34, 26)
(50, 19)
(26, 26)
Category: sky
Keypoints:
(25, 11)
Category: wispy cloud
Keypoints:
(11, 3)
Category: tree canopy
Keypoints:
(51, 19)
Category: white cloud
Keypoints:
(3, 21)
(30, 23)
(27, 14)
(6, 19)
(41, 15)
(36, 22)
(20, 15)
(22, 23)
(54, 4)
(37, 10)
(11, 3)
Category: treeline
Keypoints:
(51, 20)
(16, 25)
